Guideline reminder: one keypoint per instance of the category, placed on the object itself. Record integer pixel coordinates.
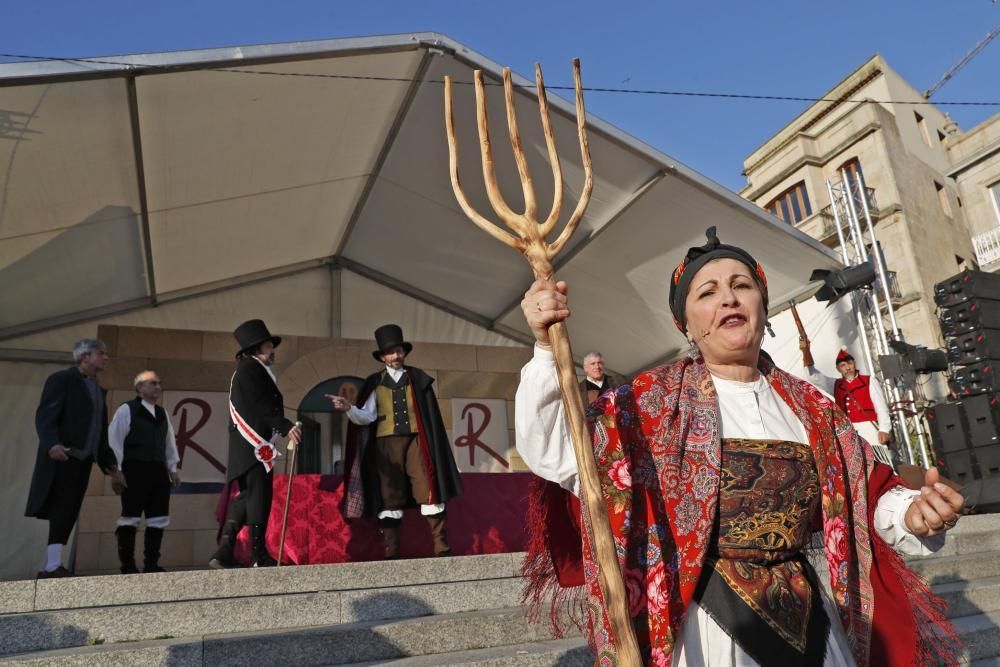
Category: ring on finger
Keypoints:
(538, 305)
(951, 524)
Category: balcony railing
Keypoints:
(987, 247)
(895, 294)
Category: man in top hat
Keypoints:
(860, 398)
(400, 456)
(596, 382)
(256, 417)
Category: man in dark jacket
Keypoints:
(256, 417)
(596, 382)
(400, 456)
(72, 425)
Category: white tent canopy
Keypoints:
(133, 182)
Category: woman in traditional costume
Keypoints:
(715, 472)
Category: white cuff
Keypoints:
(890, 522)
(390, 514)
(431, 510)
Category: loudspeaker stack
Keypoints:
(966, 430)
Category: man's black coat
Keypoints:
(258, 401)
(64, 415)
(446, 476)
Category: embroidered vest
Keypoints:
(147, 435)
(396, 409)
(855, 399)
(756, 584)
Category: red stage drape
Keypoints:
(487, 518)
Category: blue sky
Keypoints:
(772, 47)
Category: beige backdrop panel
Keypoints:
(297, 304)
(367, 305)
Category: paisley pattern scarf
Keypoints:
(658, 450)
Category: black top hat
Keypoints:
(252, 333)
(388, 336)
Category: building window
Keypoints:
(792, 205)
(941, 137)
(855, 181)
(995, 192)
(922, 124)
(943, 198)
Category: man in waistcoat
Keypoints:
(399, 455)
(142, 438)
(256, 418)
(72, 425)
(596, 382)
(861, 398)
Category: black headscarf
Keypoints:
(700, 256)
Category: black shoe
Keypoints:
(57, 573)
(126, 549)
(223, 558)
(153, 540)
(258, 548)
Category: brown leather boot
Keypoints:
(440, 535)
(390, 535)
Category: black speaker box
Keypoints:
(982, 419)
(978, 471)
(973, 347)
(947, 427)
(966, 286)
(978, 378)
(970, 316)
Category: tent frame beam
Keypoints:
(140, 175)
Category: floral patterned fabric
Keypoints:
(659, 453)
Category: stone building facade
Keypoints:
(922, 175)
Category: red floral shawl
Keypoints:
(658, 449)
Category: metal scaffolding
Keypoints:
(852, 205)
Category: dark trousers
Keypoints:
(401, 473)
(253, 505)
(148, 489)
(66, 496)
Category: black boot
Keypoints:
(439, 533)
(153, 540)
(223, 558)
(258, 554)
(126, 548)
(390, 536)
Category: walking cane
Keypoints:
(531, 241)
(288, 495)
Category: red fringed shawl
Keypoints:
(658, 449)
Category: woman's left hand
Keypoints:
(936, 509)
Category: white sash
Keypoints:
(264, 450)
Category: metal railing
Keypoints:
(987, 246)
(895, 293)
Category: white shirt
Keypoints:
(120, 426)
(747, 410)
(825, 382)
(368, 413)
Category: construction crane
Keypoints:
(961, 63)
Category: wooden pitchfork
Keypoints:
(530, 241)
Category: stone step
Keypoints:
(967, 598)
(328, 645)
(981, 635)
(42, 630)
(131, 589)
(965, 567)
(570, 652)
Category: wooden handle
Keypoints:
(807, 357)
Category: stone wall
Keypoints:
(203, 361)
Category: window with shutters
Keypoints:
(792, 205)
